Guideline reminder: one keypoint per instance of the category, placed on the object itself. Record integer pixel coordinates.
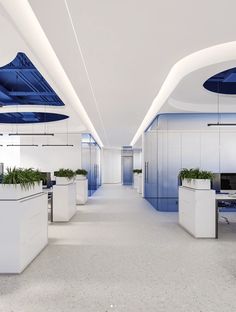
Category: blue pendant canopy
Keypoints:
(224, 82)
(30, 117)
(21, 84)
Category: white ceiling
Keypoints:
(191, 96)
(128, 48)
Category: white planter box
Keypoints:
(135, 184)
(63, 181)
(197, 212)
(198, 184)
(23, 231)
(80, 177)
(140, 183)
(81, 191)
(10, 191)
(64, 202)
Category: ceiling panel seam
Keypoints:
(86, 70)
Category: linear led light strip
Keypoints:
(57, 145)
(43, 145)
(85, 67)
(36, 134)
(11, 145)
(221, 125)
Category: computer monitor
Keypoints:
(216, 183)
(228, 182)
(46, 179)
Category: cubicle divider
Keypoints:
(175, 141)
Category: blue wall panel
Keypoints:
(127, 162)
(175, 141)
(127, 165)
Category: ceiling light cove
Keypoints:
(22, 84)
(30, 117)
(223, 82)
(214, 55)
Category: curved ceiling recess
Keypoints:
(21, 84)
(224, 82)
(30, 117)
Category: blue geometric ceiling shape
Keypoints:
(21, 84)
(223, 82)
(30, 117)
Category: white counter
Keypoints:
(140, 183)
(64, 202)
(81, 191)
(197, 212)
(23, 231)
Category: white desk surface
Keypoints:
(48, 190)
(225, 197)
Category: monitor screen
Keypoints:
(46, 178)
(215, 183)
(228, 181)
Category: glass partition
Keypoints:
(175, 141)
(127, 165)
(91, 162)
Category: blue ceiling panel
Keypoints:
(30, 117)
(21, 84)
(224, 82)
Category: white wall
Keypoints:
(10, 156)
(111, 166)
(137, 159)
(52, 158)
(46, 159)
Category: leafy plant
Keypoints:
(65, 173)
(26, 177)
(137, 171)
(81, 171)
(195, 173)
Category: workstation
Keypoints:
(201, 209)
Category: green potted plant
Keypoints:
(196, 178)
(81, 174)
(64, 176)
(20, 182)
(137, 171)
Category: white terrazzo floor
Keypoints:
(119, 254)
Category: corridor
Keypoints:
(120, 254)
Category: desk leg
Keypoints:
(217, 216)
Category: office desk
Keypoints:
(218, 198)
